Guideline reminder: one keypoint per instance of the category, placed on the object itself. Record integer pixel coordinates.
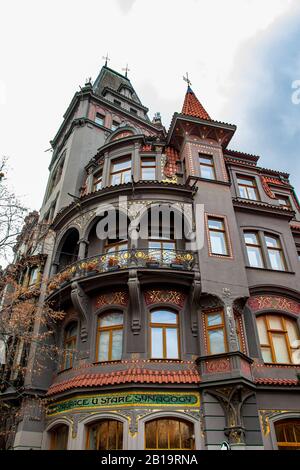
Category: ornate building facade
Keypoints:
(165, 343)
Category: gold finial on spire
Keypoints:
(187, 80)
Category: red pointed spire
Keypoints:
(193, 107)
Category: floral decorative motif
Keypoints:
(263, 302)
(217, 365)
(113, 298)
(165, 296)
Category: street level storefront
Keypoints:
(125, 420)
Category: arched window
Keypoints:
(288, 434)
(69, 250)
(59, 437)
(105, 435)
(70, 340)
(169, 433)
(164, 329)
(279, 338)
(109, 337)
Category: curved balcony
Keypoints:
(150, 258)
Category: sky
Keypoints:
(242, 56)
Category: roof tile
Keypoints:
(193, 107)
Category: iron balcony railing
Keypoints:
(124, 259)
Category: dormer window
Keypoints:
(126, 92)
(99, 119)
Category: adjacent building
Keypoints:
(168, 342)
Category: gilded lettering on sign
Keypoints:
(125, 399)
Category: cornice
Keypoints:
(259, 206)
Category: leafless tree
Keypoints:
(12, 214)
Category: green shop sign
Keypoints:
(124, 399)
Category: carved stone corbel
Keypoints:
(81, 303)
(195, 295)
(135, 301)
(232, 399)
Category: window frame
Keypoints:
(219, 326)
(226, 233)
(100, 116)
(110, 329)
(261, 235)
(154, 166)
(283, 332)
(97, 177)
(120, 172)
(164, 326)
(246, 186)
(257, 233)
(207, 165)
(97, 422)
(66, 341)
(169, 418)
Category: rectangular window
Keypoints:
(207, 169)
(33, 275)
(133, 111)
(217, 237)
(254, 252)
(215, 331)
(284, 201)
(248, 188)
(120, 171)
(275, 253)
(117, 102)
(114, 125)
(99, 119)
(148, 168)
(97, 184)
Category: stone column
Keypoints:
(232, 338)
(83, 243)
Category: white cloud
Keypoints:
(52, 46)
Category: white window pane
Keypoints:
(293, 332)
(214, 319)
(164, 316)
(157, 343)
(115, 179)
(245, 181)
(251, 238)
(121, 165)
(275, 322)
(280, 347)
(276, 260)
(148, 173)
(126, 176)
(218, 244)
(215, 224)
(111, 319)
(262, 331)
(243, 192)
(103, 346)
(216, 341)
(172, 343)
(266, 354)
(272, 242)
(207, 160)
(207, 172)
(255, 257)
(252, 194)
(117, 337)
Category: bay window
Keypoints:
(120, 171)
(278, 337)
(215, 332)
